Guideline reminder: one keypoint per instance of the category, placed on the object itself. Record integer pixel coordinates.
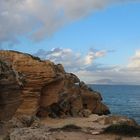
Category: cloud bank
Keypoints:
(90, 71)
(72, 61)
(37, 19)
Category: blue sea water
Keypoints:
(121, 99)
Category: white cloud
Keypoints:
(101, 74)
(93, 55)
(40, 18)
(72, 61)
(135, 62)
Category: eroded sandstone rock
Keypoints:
(92, 100)
(10, 91)
(49, 91)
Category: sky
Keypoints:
(98, 40)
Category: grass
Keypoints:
(123, 129)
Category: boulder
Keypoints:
(92, 101)
(113, 119)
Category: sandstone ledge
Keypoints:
(90, 128)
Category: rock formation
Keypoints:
(110, 120)
(93, 127)
(47, 90)
(32, 88)
(10, 91)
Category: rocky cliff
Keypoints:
(47, 90)
(10, 90)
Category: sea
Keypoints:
(121, 99)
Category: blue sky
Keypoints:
(112, 30)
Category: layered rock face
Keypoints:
(10, 91)
(47, 90)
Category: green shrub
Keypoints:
(68, 128)
(123, 129)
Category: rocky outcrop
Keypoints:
(92, 100)
(111, 120)
(89, 128)
(47, 90)
(10, 91)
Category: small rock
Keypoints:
(86, 112)
(95, 133)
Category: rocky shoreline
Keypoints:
(40, 101)
(94, 127)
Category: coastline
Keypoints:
(128, 106)
(93, 127)
(40, 101)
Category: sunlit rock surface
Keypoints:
(48, 91)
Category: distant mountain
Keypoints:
(107, 82)
(103, 81)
